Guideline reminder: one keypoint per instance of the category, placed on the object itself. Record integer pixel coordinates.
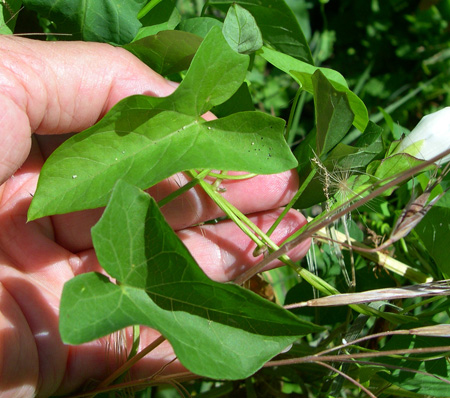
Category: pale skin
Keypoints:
(48, 89)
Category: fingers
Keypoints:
(61, 87)
(223, 251)
(194, 206)
(263, 192)
(19, 370)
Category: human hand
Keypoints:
(54, 88)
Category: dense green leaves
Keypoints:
(221, 330)
(217, 330)
(92, 20)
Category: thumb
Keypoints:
(61, 87)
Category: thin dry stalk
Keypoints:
(346, 376)
(345, 357)
(439, 288)
(128, 364)
(434, 330)
(142, 383)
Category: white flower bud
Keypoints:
(429, 138)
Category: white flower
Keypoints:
(429, 138)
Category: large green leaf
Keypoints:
(217, 330)
(278, 25)
(241, 31)
(302, 73)
(81, 173)
(146, 139)
(167, 52)
(112, 21)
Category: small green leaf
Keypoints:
(108, 21)
(217, 330)
(302, 73)
(167, 52)
(333, 114)
(241, 31)
(277, 23)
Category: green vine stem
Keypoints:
(231, 176)
(147, 8)
(195, 180)
(293, 200)
(227, 208)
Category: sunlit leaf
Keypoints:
(81, 173)
(394, 165)
(200, 26)
(145, 139)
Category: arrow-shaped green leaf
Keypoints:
(217, 330)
